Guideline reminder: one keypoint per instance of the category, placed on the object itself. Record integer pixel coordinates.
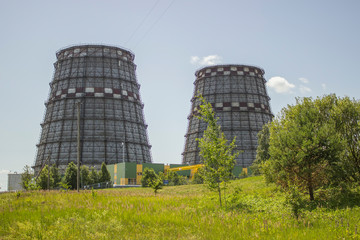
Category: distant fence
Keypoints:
(99, 185)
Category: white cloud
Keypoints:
(205, 61)
(304, 89)
(280, 85)
(323, 85)
(194, 59)
(3, 171)
(304, 80)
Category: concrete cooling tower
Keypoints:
(238, 95)
(112, 127)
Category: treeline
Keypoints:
(54, 180)
(313, 147)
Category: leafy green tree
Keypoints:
(71, 175)
(262, 151)
(44, 181)
(26, 177)
(104, 175)
(346, 116)
(304, 146)
(94, 176)
(156, 183)
(175, 179)
(216, 153)
(54, 171)
(85, 175)
(148, 176)
(198, 177)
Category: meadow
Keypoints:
(254, 210)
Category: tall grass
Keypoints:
(181, 212)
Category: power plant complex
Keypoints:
(95, 95)
(239, 98)
(94, 111)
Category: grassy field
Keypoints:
(180, 212)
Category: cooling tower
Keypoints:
(241, 103)
(112, 127)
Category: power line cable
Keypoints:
(142, 22)
(152, 26)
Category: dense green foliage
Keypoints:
(69, 181)
(156, 184)
(216, 153)
(262, 151)
(257, 211)
(346, 117)
(151, 179)
(314, 145)
(173, 178)
(148, 176)
(45, 179)
(104, 174)
(85, 176)
(56, 177)
(70, 178)
(94, 176)
(26, 177)
(198, 177)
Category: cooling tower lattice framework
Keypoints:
(238, 95)
(112, 126)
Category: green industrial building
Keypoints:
(130, 173)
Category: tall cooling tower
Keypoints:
(112, 126)
(241, 103)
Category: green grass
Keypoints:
(180, 212)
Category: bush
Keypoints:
(198, 177)
(175, 179)
(104, 175)
(26, 177)
(71, 176)
(148, 176)
(295, 201)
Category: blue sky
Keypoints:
(307, 48)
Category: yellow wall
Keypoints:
(138, 174)
(123, 181)
(115, 173)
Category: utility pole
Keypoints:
(123, 148)
(78, 146)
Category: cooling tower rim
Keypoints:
(73, 46)
(228, 65)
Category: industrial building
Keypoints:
(240, 100)
(130, 173)
(95, 95)
(14, 182)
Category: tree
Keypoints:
(104, 174)
(262, 151)
(346, 116)
(148, 176)
(94, 176)
(85, 175)
(54, 171)
(174, 179)
(198, 177)
(217, 154)
(45, 181)
(304, 146)
(156, 183)
(26, 178)
(71, 175)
